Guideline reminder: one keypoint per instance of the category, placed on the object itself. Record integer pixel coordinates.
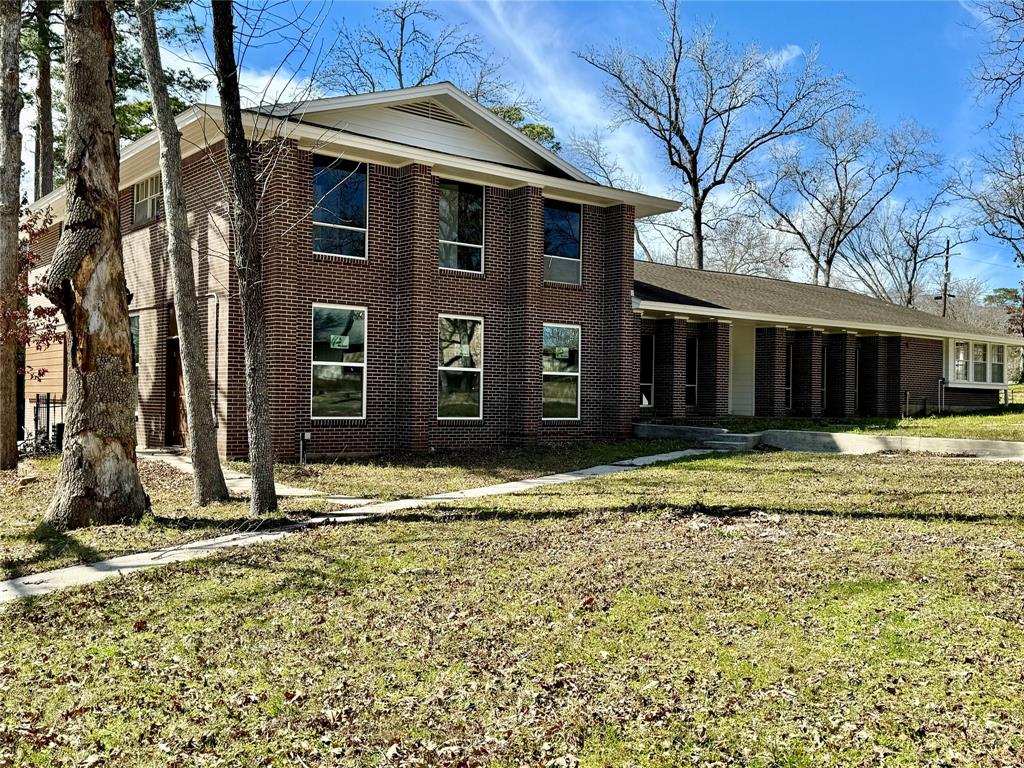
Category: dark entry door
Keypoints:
(176, 424)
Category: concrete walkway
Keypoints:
(78, 575)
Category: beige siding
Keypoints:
(741, 370)
(52, 360)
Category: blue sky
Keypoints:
(906, 59)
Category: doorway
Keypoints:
(175, 419)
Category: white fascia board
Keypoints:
(764, 317)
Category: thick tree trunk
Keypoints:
(98, 482)
(208, 479)
(698, 236)
(44, 102)
(248, 262)
(10, 176)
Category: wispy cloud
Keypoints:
(782, 56)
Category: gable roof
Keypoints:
(443, 102)
(732, 296)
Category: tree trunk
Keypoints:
(44, 102)
(10, 176)
(248, 262)
(208, 479)
(98, 482)
(697, 211)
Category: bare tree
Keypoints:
(208, 479)
(10, 179)
(713, 109)
(98, 481)
(248, 261)
(894, 255)
(994, 186)
(42, 14)
(820, 191)
(741, 244)
(409, 45)
(1000, 70)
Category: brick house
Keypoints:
(436, 279)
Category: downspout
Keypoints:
(216, 355)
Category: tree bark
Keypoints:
(44, 102)
(248, 261)
(208, 479)
(698, 235)
(98, 481)
(10, 176)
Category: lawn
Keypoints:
(28, 547)
(866, 611)
(1004, 424)
(411, 475)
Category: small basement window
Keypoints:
(148, 200)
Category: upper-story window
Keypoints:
(461, 226)
(148, 200)
(562, 242)
(339, 213)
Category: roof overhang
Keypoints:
(202, 125)
(659, 308)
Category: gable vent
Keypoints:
(431, 111)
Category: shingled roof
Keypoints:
(761, 297)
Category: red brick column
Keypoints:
(417, 304)
(841, 374)
(880, 375)
(670, 368)
(770, 372)
(807, 352)
(525, 328)
(712, 368)
(621, 326)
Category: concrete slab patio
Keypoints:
(79, 575)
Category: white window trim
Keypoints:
(313, 363)
(650, 383)
(970, 381)
(365, 230)
(480, 370)
(483, 236)
(153, 199)
(579, 252)
(578, 374)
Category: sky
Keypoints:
(905, 59)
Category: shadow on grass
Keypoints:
(223, 524)
(56, 544)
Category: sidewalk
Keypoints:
(349, 512)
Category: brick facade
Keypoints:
(770, 371)
(807, 365)
(841, 374)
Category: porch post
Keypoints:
(713, 368)
(770, 371)
(807, 349)
(670, 368)
(841, 374)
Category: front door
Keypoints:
(176, 424)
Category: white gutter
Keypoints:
(642, 305)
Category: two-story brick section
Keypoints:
(433, 278)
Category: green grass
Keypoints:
(866, 611)
(411, 475)
(1004, 424)
(28, 547)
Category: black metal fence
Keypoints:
(46, 427)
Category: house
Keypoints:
(433, 278)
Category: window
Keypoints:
(339, 363)
(460, 367)
(562, 242)
(339, 212)
(789, 377)
(998, 363)
(148, 200)
(133, 326)
(646, 371)
(824, 375)
(461, 224)
(691, 372)
(961, 352)
(561, 372)
(980, 359)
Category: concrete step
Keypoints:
(722, 445)
(739, 442)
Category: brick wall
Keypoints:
(841, 374)
(670, 338)
(921, 368)
(770, 371)
(807, 357)
(712, 367)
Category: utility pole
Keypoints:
(946, 295)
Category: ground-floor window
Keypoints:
(979, 362)
(338, 362)
(646, 371)
(561, 385)
(789, 376)
(460, 367)
(824, 374)
(691, 372)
